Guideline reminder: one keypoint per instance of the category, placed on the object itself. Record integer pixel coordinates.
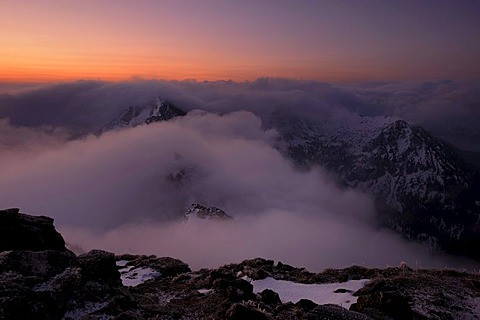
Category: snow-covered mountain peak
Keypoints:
(161, 110)
(422, 186)
(199, 212)
(154, 111)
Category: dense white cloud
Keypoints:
(126, 191)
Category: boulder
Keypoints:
(168, 267)
(65, 282)
(20, 231)
(237, 289)
(329, 311)
(270, 297)
(41, 264)
(306, 304)
(99, 266)
(242, 312)
(384, 304)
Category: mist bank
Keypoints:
(315, 243)
(127, 191)
(448, 109)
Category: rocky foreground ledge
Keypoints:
(41, 279)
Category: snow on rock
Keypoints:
(87, 310)
(204, 291)
(199, 212)
(412, 174)
(133, 276)
(328, 293)
(121, 263)
(153, 111)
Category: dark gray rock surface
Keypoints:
(56, 284)
(19, 231)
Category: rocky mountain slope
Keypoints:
(423, 188)
(54, 283)
(197, 211)
(153, 111)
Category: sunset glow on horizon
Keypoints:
(333, 41)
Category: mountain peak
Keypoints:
(155, 110)
(162, 110)
(197, 211)
(421, 185)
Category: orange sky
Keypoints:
(54, 40)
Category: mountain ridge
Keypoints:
(155, 110)
(422, 186)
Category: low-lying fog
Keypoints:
(126, 191)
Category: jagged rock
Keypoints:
(154, 111)
(42, 264)
(270, 297)
(306, 309)
(242, 312)
(29, 292)
(235, 290)
(54, 284)
(306, 304)
(69, 279)
(168, 267)
(24, 232)
(98, 265)
(197, 211)
(422, 187)
(384, 304)
(333, 312)
(260, 268)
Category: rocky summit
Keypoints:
(197, 211)
(156, 110)
(423, 187)
(54, 283)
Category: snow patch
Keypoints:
(133, 276)
(318, 293)
(122, 263)
(204, 291)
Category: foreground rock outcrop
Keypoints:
(57, 284)
(24, 232)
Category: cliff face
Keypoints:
(423, 187)
(49, 283)
(24, 232)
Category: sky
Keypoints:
(334, 41)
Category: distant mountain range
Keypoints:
(424, 188)
(422, 185)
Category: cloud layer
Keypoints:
(450, 110)
(126, 191)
